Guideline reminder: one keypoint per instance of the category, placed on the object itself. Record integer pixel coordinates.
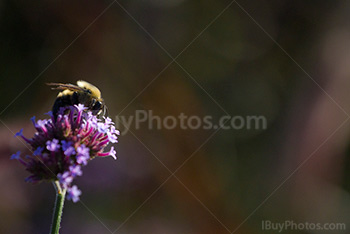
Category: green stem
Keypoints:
(56, 220)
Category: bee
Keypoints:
(82, 93)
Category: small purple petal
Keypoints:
(33, 120)
(41, 122)
(20, 133)
(92, 119)
(65, 179)
(38, 151)
(82, 159)
(49, 113)
(66, 144)
(73, 193)
(83, 154)
(108, 121)
(112, 135)
(114, 131)
(32, 179)
(102, 127)
(16, 155)
(52, 145)
(41, 125)
(83, 150)
(113, 153)
(80, 107)
(75, 170)
(70, 151)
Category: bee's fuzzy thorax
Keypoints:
(95, 92)
(65, 92)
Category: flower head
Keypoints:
(64, 143)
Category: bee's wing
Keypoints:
(60, 86)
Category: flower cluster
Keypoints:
(64, 143)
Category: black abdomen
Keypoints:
(75, 99)
(65, 100)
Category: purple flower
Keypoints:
(67, 148)
(113, 153)
(75, 170)
(52, 145)
(102, 127)
(112, 135)
(83, 150)
(33, 120)
(69, 151)
(16, 155)
(65, 179)
(64, 143)
(49, 113)
(108, 121)
(38, 151)
(83, 154)
(92, 119)
(73, 193)
(20, 133)
(80, 107)
(41, 123)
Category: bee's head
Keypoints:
(98, 106)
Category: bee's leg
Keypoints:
(93, 102)
(96, 107)
(105, 110)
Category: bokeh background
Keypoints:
(286, 60)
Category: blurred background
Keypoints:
(288, 61)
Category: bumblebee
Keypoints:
(82, 93)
